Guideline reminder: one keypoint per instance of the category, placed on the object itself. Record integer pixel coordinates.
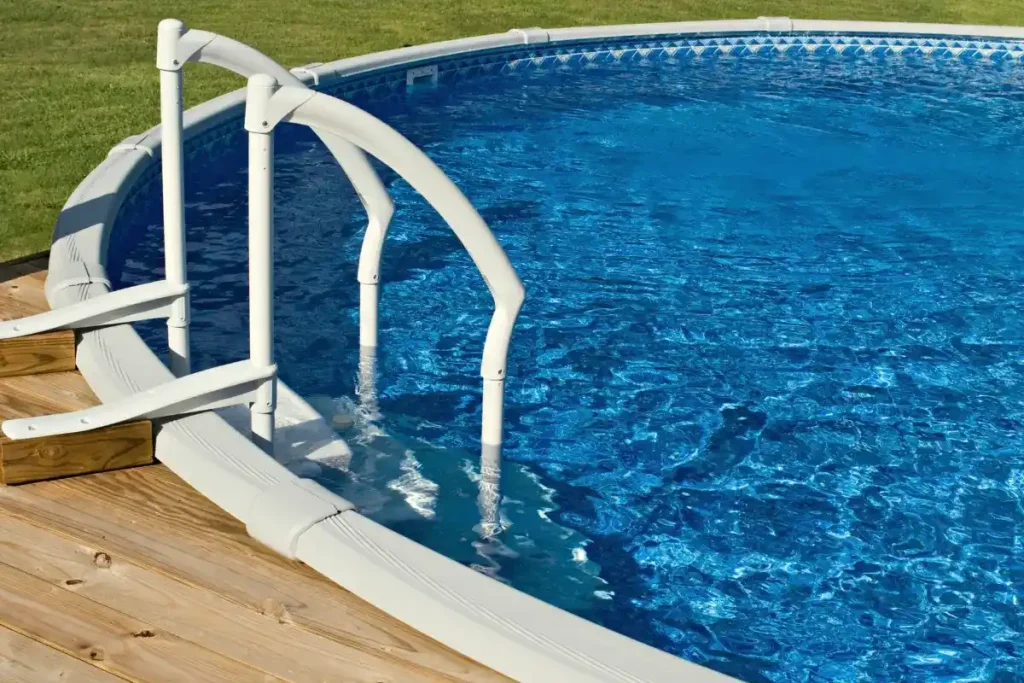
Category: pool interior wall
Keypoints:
(807, 363)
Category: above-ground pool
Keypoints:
(764, 404)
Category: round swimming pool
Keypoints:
(764, 404)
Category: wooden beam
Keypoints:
(21, 295)
(38, 353)
(100, 450)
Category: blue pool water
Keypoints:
(766, 397)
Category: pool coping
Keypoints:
(513, 633)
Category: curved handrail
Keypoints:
(212, 48)
(176, 46)
(267, 105)
(247, 61)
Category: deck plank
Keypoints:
(153, 519)
(108, 639)
(21, 288)
(178, 566)
(53, 393)
(272, 644)
(23, 660)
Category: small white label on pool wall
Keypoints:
(420, 75)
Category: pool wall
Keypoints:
(509, 631)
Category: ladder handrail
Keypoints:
(348, 131)
(176, 46)
(267, 104)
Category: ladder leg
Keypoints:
(173, 179)
(261, 271)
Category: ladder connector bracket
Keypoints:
(266, 407)
(176, 45)
(132, 143)
(534, 34)
(268, 103)
(308, 70)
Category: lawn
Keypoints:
(78, 75)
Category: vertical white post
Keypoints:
(489, 498)
(379, 210)
(368, 315)
(168, 34)
(366, 389)
(493, 409)
(261, 264)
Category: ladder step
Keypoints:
(38, 353)
(50, 457)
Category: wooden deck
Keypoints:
(132, 575)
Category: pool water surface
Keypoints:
(766, 396)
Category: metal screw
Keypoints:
(264, 124)
(175, 62)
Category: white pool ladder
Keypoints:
(274, 95)
(268, 104)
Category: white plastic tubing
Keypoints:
(267, 104)
(261, 277)
(175, 47)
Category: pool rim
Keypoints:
(483, 619)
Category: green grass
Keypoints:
(78, 75)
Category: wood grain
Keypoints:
(21, 288)
(87, 562)
(58, 392)
(23, 660)
(66, 455)
(38, 354)
(152, 519)
(106, 638)
(268, 642)
(21, 295)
